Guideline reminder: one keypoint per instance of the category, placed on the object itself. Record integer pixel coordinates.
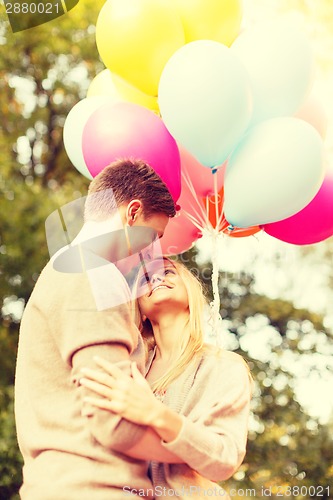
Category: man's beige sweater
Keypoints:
(68, 456)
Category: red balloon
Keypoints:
(181, 232)
(201, 177)
(179, 235)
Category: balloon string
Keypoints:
(194, 221)
(224, 225)
(215, 305)
(215, 266)
(216, 196)
(199, 218)
(219, 215)
(207, 204)
(201, 221)
(221, 220)
(202, 215)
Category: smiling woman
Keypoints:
(195, 398)
(162, 315)
(161, 275)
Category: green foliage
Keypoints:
(38, 87)
(10, 457)
(286, 448)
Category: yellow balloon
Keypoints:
(103, 84)
(109, 84)
(133, 94)
(135, 39)
(217, 20)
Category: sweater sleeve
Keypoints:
(108, 428)
(97, 322)
(214, 441)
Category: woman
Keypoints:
(195, 397)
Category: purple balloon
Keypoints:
(126, 130)
(312, 224)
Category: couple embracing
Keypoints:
(117, 394)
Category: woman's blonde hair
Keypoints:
(192, 343)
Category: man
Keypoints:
(71, 317)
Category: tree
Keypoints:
(44, 72)
(287, 447)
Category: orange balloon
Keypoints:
(240, 232)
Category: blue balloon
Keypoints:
(280, 64)
(274, 172)
(205, 100)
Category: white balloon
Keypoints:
(274, 172)
(73, 129)
(280, 63)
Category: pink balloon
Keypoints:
(312, 224)
(313, 112)
(124, 130)
(201, 177)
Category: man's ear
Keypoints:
(133, 211)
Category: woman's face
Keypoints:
(160, 287)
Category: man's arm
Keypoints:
(94, 318)
(110, 430)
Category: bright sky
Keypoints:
(302, 280)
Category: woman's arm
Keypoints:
(212, 440)
(133, 400)
(151, 448)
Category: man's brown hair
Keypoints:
(125, 180)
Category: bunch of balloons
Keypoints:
(225, 117)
